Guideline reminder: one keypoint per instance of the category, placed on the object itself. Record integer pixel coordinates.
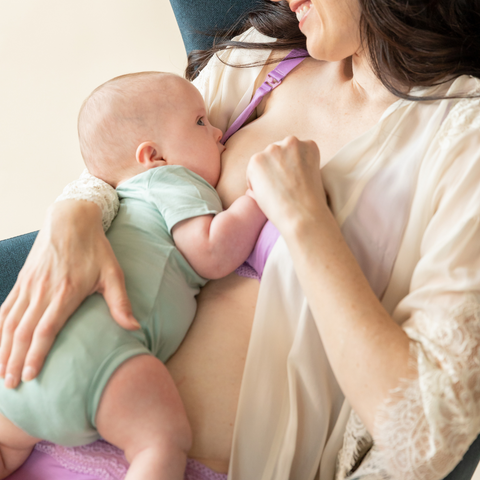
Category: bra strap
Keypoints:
(273, 80)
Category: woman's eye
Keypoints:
(200, 122)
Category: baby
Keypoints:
(148, 135)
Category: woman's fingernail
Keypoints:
(2, 370)
(9, 381)
(28, 374)
(134, 322)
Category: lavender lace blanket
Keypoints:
(96, 461)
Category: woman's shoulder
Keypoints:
(447, 117)
(235, 57)
(465, 84)
(460, 98)
(463, 114)
(254, 36)
(228, 81)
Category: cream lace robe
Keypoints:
(407, 196)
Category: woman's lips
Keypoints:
(301, 9)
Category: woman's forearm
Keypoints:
(368, 351)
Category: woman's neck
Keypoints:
(366, 83)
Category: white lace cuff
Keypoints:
(426, 426)
(92, 189)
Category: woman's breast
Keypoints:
(304, 117)
(250, 139)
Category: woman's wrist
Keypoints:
(92, 189)
(72, 215)
(299, 225)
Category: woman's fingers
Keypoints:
(70, 259)
(36, 316)
(64, 266)
(20, 340)
(19, 328)
(31, 346)
(9, 327)
(27, 363)
(286, 180)
(5, 309)
(115, 294)
(288, 164)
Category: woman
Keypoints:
(408, 364)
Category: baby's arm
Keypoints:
(216, 245)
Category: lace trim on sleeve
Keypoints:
(427, 424)
(92, 189)
(463, 117)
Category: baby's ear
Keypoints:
(148, 154)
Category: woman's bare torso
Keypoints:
(316, 101)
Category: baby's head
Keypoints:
(144, 120)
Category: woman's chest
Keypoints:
(300, 106)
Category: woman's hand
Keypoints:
(287, 182)
(70, 259)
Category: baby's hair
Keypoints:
(114, 120)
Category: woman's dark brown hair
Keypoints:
(275, 20)
(410, 42)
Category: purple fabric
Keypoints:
(265, 243)
(40, 466)
(245, 270)
(253, 267)
(273, 80)
(97, 461)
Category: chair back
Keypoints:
(200, 21)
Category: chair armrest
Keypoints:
(466, 468)
(13, 253)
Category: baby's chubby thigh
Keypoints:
(61, 403)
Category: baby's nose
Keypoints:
(218, 134)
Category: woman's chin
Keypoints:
(320, 50)
(317, 50)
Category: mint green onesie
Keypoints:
(60, 405)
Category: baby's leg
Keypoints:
(141, 412)
(15, 446)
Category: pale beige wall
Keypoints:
(52, 54)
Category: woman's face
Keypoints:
(331, 27)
